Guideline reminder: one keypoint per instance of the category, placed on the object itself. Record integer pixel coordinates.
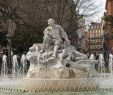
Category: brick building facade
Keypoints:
(109, 7)
(108, 27)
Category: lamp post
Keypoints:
(89, 40)
(9, 48)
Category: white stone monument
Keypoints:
(50, 59)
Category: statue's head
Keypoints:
(51, 21)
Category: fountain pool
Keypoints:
(57, 93)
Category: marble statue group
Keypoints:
(55, 34)
(54, 53)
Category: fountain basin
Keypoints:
(51, 85)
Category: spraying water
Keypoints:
(111, 63)
(4, 70)
(15, 67)
(92, 57)
(101, 63)
(24, 64)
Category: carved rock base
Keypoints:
(56, 73)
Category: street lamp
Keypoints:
(9, 47)
(89, 39)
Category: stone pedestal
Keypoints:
(45, 66)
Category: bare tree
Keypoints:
(35, 14)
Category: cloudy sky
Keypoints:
(100, 11)
(102, 4)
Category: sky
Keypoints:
(102, 8)
(100, 11)
(103, 2)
